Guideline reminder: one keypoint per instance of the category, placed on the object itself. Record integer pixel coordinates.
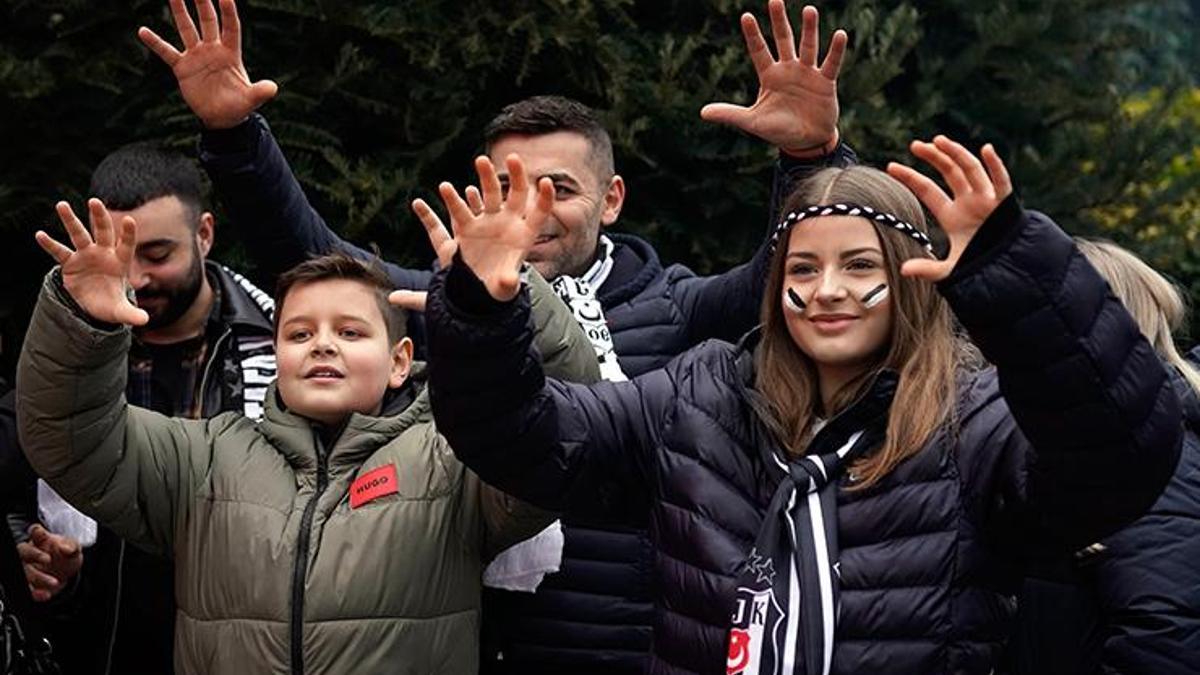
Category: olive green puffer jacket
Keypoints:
(275, 571)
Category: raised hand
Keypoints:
(977, 192)
(210, 71)
(443, 244)
(50, 561)
(797, 106)
(97, 271)
(492, 233)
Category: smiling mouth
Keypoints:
(324, 373)
(832, 325)
(544, 238)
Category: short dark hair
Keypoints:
(539, 115)
(135, 174)
(343, 266)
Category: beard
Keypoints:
(174, 300)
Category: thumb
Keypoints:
(725, 113)
(411, 300)
(38, 535)
(263, 91)
(924, 268)
(446, 251)
(131, 316)
(67, 547)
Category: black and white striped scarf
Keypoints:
(579, 293)
(786, 604)
(255, 355)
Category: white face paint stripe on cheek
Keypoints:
(875, 296)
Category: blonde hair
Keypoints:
(922, 347)
(1155, 303)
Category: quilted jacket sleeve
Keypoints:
(1099, 423)
(133, 470)
(568, 356)
(726, 306)
(557, 445)
(268, 206)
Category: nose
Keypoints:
(324, 344)
(139, 278)
(831, 288)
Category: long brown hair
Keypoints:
(922, 346)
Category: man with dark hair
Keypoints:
(594, 615)
(206, 349)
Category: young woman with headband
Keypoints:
(847, 489)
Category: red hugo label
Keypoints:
(374, 484)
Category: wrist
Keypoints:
(223, 124)
(814, 151)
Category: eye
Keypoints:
(298, 335)
(801, 269)
(562, 191)
(155, 256)
(350, 333)
(862, 264)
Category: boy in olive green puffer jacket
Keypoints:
(337, 535)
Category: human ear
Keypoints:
(402, 358)
(205, 234)
(614, 199)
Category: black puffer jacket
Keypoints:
(1133, 606)
(595, 614)
(929, 556)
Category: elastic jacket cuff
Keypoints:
(234, 140)
(466, 295)
(64, 296)
(842, 155)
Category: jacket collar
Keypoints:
(243, 304)
(296, 438)
(617, 289)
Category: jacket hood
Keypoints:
(616, 290)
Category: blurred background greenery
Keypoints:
(1094, 104)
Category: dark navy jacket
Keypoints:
(1072, 436)
(1132, 607)
(595, 614)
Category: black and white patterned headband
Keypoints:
(847, 209)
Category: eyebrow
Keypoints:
(555, 176)
(845, 254)
(340, 317)
(153, 243)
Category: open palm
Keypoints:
(797, 107)
(96, 272)
(493, 233)
(978, 188)
(211, 74)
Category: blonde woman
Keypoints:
(1130, 603)
(840, 492)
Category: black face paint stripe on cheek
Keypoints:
(794, 302)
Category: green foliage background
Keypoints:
(1090, 102)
